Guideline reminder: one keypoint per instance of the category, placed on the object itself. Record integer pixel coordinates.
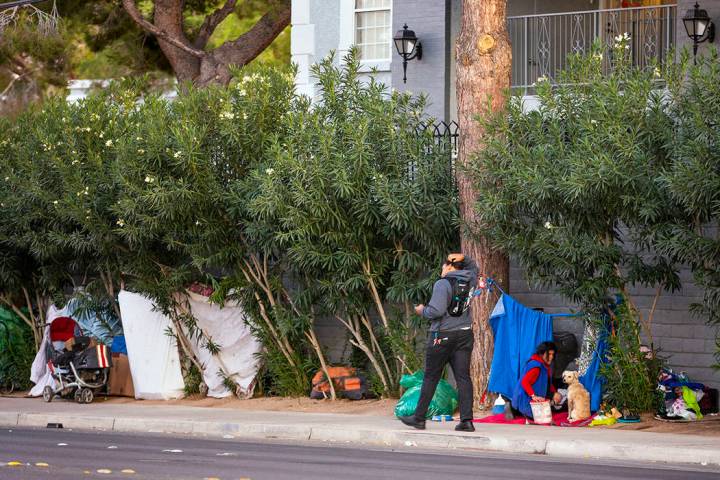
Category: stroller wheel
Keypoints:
(48, 393)
(85, 395)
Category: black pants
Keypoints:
(448, 347)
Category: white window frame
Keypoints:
(380, 64)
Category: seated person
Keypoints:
(535, 382)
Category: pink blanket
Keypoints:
(559, 419)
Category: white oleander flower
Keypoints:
(140, 151)
(177, 154)
(120, 222)
(548, 225)
(149, 179)
(269, 171)
(109, 143)
(55, 202)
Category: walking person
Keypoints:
(450, 339)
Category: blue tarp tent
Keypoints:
(518, 330)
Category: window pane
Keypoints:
(372, 31)
(372, 4)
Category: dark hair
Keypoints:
(456, 260)
(545, 347)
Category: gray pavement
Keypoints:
(363, 431)
(62, 454)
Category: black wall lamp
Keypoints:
(698, 27)
(407, 45)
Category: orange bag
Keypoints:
(347, 382)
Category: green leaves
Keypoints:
(574, 189)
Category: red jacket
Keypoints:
(532, 375)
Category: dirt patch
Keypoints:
(708, 426)
(382, 407)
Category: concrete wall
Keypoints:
(686, 340)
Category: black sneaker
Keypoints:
(465, 426)
(411, 421)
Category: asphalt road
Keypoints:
(61, 454)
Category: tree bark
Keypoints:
(189, 59)
(483, 76)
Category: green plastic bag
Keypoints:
(444, 401)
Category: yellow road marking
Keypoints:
(41, 464)
(15, 464)
(127, 470)
(104, 470)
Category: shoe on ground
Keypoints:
(411, 421)
(465, 426)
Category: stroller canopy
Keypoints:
(63, 329)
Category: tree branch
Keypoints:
(135, 14)
(211, 22)
(253, 42)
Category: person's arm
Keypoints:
(439, 302)
(527, 381)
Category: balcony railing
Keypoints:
(542, 43)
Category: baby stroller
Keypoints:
(78, 363)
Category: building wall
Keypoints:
(430, 22)
(713, 10)
(319, 27)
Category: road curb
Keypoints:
(9, 419)
(577, 449)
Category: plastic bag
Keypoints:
(444, 401)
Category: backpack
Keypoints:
(347, 382)
(461, 296)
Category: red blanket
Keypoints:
(559, 419)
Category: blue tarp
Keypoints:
(518, 330)
(592, 381)
(118, 345)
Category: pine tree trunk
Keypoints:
(483, 72)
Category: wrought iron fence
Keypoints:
(542, 43)
(444, 134)
(438, 136)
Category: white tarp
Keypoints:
(227, 328)
(153, 356)
(39, 373)
(154, 362)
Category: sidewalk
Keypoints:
(363, 430)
